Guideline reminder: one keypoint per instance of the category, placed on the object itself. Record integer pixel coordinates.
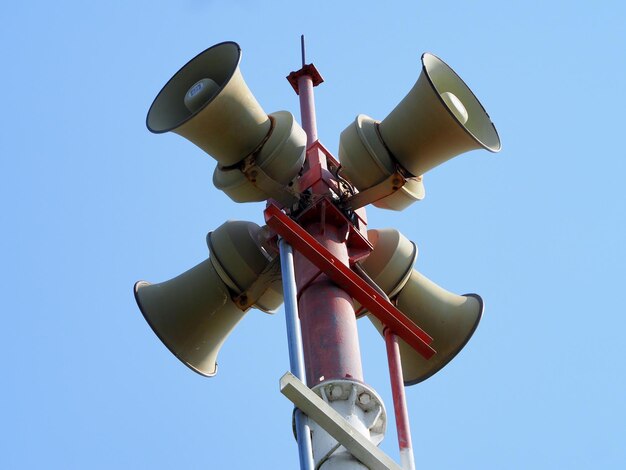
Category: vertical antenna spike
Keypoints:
(303, 50)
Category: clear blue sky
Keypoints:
(92, 202)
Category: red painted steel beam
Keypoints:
(349, 281)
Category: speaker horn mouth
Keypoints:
(444, 79)
(460, 347)
(168, 110)
(138, 285)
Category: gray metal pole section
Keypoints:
(296, 357)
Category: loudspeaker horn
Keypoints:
(192, 315)
(208, 102)
(438, 119)
(449, 318)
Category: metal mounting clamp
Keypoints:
(334, 424)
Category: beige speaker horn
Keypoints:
(192, 315)
(438, 119)
(449, 318)
(208, 103)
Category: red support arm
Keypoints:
(349, 281)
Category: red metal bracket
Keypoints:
(356, 234)
(318, 160)
(308, 69)
(349, 281)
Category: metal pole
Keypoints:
(296, 358)
(329, 331)
(407, 459)
(307, 108)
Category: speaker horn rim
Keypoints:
(191, 115)
(146, 317)
(492, 149)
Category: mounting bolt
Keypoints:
(336, 391)
(364, 398)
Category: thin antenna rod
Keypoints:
(303, 50)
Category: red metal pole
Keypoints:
(399, 400)
(307, 108)
(329, 331)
